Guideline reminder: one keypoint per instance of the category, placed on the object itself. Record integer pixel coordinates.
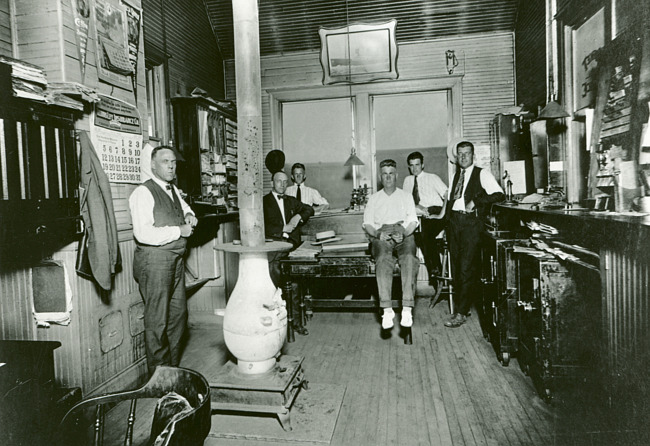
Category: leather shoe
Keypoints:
(456, 321)
(300, 330)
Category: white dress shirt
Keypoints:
(488, 182)
(141, 203)
(431, 189)
(280, 202)
(308, 195)
(383, 209)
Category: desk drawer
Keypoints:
(304, 270)
(345, 270)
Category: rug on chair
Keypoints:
(313, 419)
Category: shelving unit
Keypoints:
(206, 137)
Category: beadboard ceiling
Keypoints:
(292, 25)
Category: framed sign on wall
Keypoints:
(360, 52)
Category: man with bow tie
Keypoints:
(283, 216)
(471, 194)
(162, 222)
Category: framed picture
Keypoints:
(360, 52)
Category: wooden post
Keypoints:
(249, 121)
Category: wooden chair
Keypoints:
(172, 425)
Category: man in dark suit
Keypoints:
(283, 216)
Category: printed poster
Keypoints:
(116, 133)
(133, 20)
(113, 66)
(81, 11)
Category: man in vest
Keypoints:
(470, 196)
(162, 221)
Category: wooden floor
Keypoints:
(447, 388)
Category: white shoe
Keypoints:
(407, 319)
(387, 319)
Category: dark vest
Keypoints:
(472, 190)
(167, 212)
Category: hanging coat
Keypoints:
(99, 255)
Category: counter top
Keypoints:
(636, 218)
(593, 229)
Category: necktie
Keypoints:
(416, 192)
(298, 194)
(168, 187)
(458, 191)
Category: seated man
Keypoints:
(390, 220)
(282, 218)
(305, 194)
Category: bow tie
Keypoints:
(168, 187)
(281, 196)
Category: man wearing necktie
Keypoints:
(472, 193)
(162, 222)
(283, 216)
(304, 193)
(429, 195)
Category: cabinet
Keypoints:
(206, 137)
(499, 297)
(510, 141)
(30, 403)
(557, 338)
(39, 178)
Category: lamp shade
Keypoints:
(353, 160)
(553, 110)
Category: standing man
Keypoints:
(283, 216)
(305, 194)
(470, 196)
(162, 221)
(390, 220)
(429, 194)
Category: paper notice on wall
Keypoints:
(81, 11)
(517, 173)
(482, 155)
(111, 43)
(116, 133)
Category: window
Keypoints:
(157, 117)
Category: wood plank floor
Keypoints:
(446, 389)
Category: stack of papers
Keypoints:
(304, 251)
(326, 237)
(27, 80)
(356, 246)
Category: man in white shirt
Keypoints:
(471, 194)
(305, 194)
(390, 220)
(162, 222)
(429, 194)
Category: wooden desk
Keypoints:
(334, 265)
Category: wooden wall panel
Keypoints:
(195, 60)
(486, 64)
(5, 29)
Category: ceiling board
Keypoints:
(292, 25)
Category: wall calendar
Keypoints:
(116, 133)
